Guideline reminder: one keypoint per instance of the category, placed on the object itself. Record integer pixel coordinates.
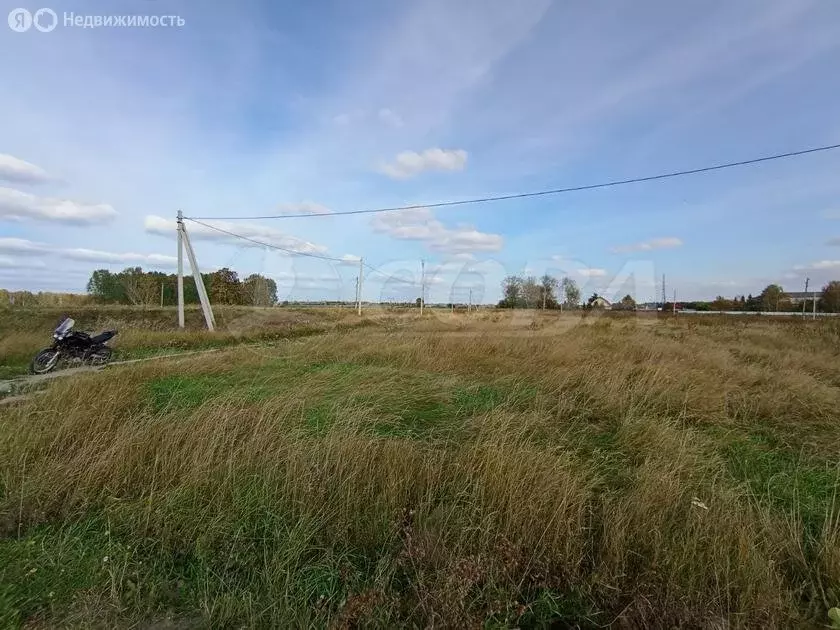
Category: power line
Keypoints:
(389, 277)
(542, 193)
(296, 253)
(269, 245)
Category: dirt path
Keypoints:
(23, 383)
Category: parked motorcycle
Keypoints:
(73, 346)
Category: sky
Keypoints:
(276, 108)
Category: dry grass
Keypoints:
(149, 331)
(496, 470)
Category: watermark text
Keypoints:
(46, 20)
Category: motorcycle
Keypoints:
(73, 347)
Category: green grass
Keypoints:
(411, 405)
(786, 480)
(367, 478)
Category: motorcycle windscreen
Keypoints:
(65, 326)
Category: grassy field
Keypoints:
(145, 332)
(485, 471)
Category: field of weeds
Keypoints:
(485, 471)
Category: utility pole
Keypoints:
(209, 319)
(815, 305)
(180, 229)
(356, 298)
(664, 294)
(805, 298)
(359, 292)
(469, 305)
(674, 305)
(422, 285)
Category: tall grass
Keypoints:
(456, 472)
(147, 331)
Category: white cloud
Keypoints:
(461, 257)
(390, 117)
(271, 236)
(17, 205)
(23, 247)
(819, 265)
(13, 263)
(592, 272)
(15, 170)
(420, 224)
(350, 260)
(306, 207)
(92, 255)
(410, 163)
(666, 242)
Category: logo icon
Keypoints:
(45, 20)
(20, 20)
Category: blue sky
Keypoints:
(255, 108)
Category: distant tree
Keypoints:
(571, 292)
(139, 287)
(418, 302)
(830, 297)
(225, 287)
(531, 292)
(771, 297)
(627, 303)
(720, 303)
(258, 290)
(106, 287)
(548, 286)
(511, 292)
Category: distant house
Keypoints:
(797, 297)
(600, 301)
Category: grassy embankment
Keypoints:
(492, 471)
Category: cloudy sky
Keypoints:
(268, 108)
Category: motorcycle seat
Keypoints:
(103, 336)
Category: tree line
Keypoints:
(544, 292)
(137, 287)
(42, 298)
(774, 299)
(547, 292)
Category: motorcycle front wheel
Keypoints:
(44, 361)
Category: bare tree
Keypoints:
(571, 292)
